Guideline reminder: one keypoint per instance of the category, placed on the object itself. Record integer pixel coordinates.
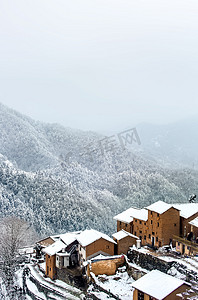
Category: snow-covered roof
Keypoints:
(128, 215)
(54, 248)
(194, 222)
(55, 237)
(125, 216)
(104, 257)
(122, 234)
(157, 284)
(89, 236)
(187, 210)
(69, 237)
(160, 207)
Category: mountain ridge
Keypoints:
(57, 192)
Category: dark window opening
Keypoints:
(140, 295)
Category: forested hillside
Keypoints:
(58, 179)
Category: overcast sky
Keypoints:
(100, 64)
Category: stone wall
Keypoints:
(148, 261)
(151, 262)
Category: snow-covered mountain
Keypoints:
(58, 179)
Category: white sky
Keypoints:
(100, 64)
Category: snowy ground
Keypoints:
(119, 285)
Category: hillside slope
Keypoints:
(58, 179)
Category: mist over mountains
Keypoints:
(173, 145)
(58, 179)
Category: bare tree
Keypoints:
(14, 234)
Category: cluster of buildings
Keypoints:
(156, 225)
(161, 223)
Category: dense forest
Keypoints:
(58, 179)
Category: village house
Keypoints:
(73, 249)
(188, 245)
(186, 241)
(125, 220)
(42, 244)
(163, 222)
(124, 240)
(188, 212)
(157, 285)
(159, 223)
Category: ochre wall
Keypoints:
(124, 244)
(127, 227)
(140, 229)
(107, 266)
(50, 266)
(164, 226)
(102, 245)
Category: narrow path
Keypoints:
(65, 289)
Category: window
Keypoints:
(151, 222)
(175, 224)
(149, 236)
(158, 215)
(140, 222)
(120, 223)
(157, 224)
(140, 237)
(135, 233)
(135, 220)
(178, 243)
(145, 223)
(153, 233)
(107, 247)
(57, 258)
(151, 213)
(140, 231)
(188, 247)
(145, 237)
(140, 295)
(126, 225)
(156, 239)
